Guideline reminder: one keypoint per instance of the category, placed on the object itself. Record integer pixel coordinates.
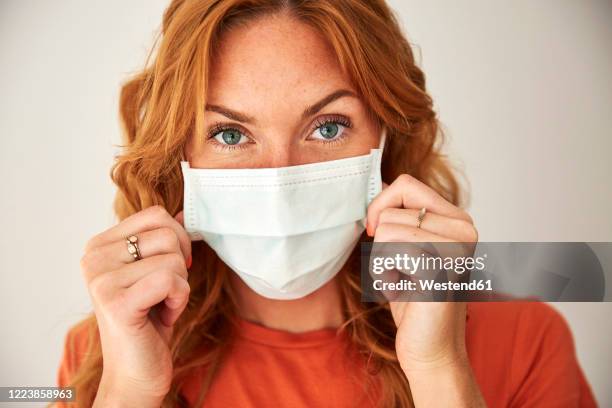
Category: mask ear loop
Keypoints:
(375, 184)
(189, 216)
(383, 139)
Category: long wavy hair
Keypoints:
(163, 105)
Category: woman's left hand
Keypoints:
(430, 339)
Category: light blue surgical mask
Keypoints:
(285, 231)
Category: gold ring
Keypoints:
(421, 217)
(132, 247)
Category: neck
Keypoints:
(321, 309)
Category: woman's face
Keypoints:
(278, 98)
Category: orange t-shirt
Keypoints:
(522, 355)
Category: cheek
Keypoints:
(210, 158)
(362, 143)
(190, 150)
(202, 155)
(366, 144)
(365, 136)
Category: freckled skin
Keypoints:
(259, 71)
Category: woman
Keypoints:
(262, 85)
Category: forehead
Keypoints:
(276, 57)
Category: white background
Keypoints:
(523, 90)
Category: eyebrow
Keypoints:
(309, 111)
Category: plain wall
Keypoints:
(522, 89)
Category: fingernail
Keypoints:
(369, 231)
(189, 261)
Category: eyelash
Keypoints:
(341, 120)
(220, 127)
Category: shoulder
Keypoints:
(519, 327)
(515, 315)
(525, 350)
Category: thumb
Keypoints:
(181, 220)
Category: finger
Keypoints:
(172, 310)
(405, 233)
(408, 192)
(381, 276)
(440, 249)
(180, 218)
(129, 274)
(454, 228)
(148, 219)
(400, 279)
(154, 288)
(115, 255)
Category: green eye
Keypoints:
(229, 137)
(329, 130)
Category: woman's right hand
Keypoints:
(137, 303)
